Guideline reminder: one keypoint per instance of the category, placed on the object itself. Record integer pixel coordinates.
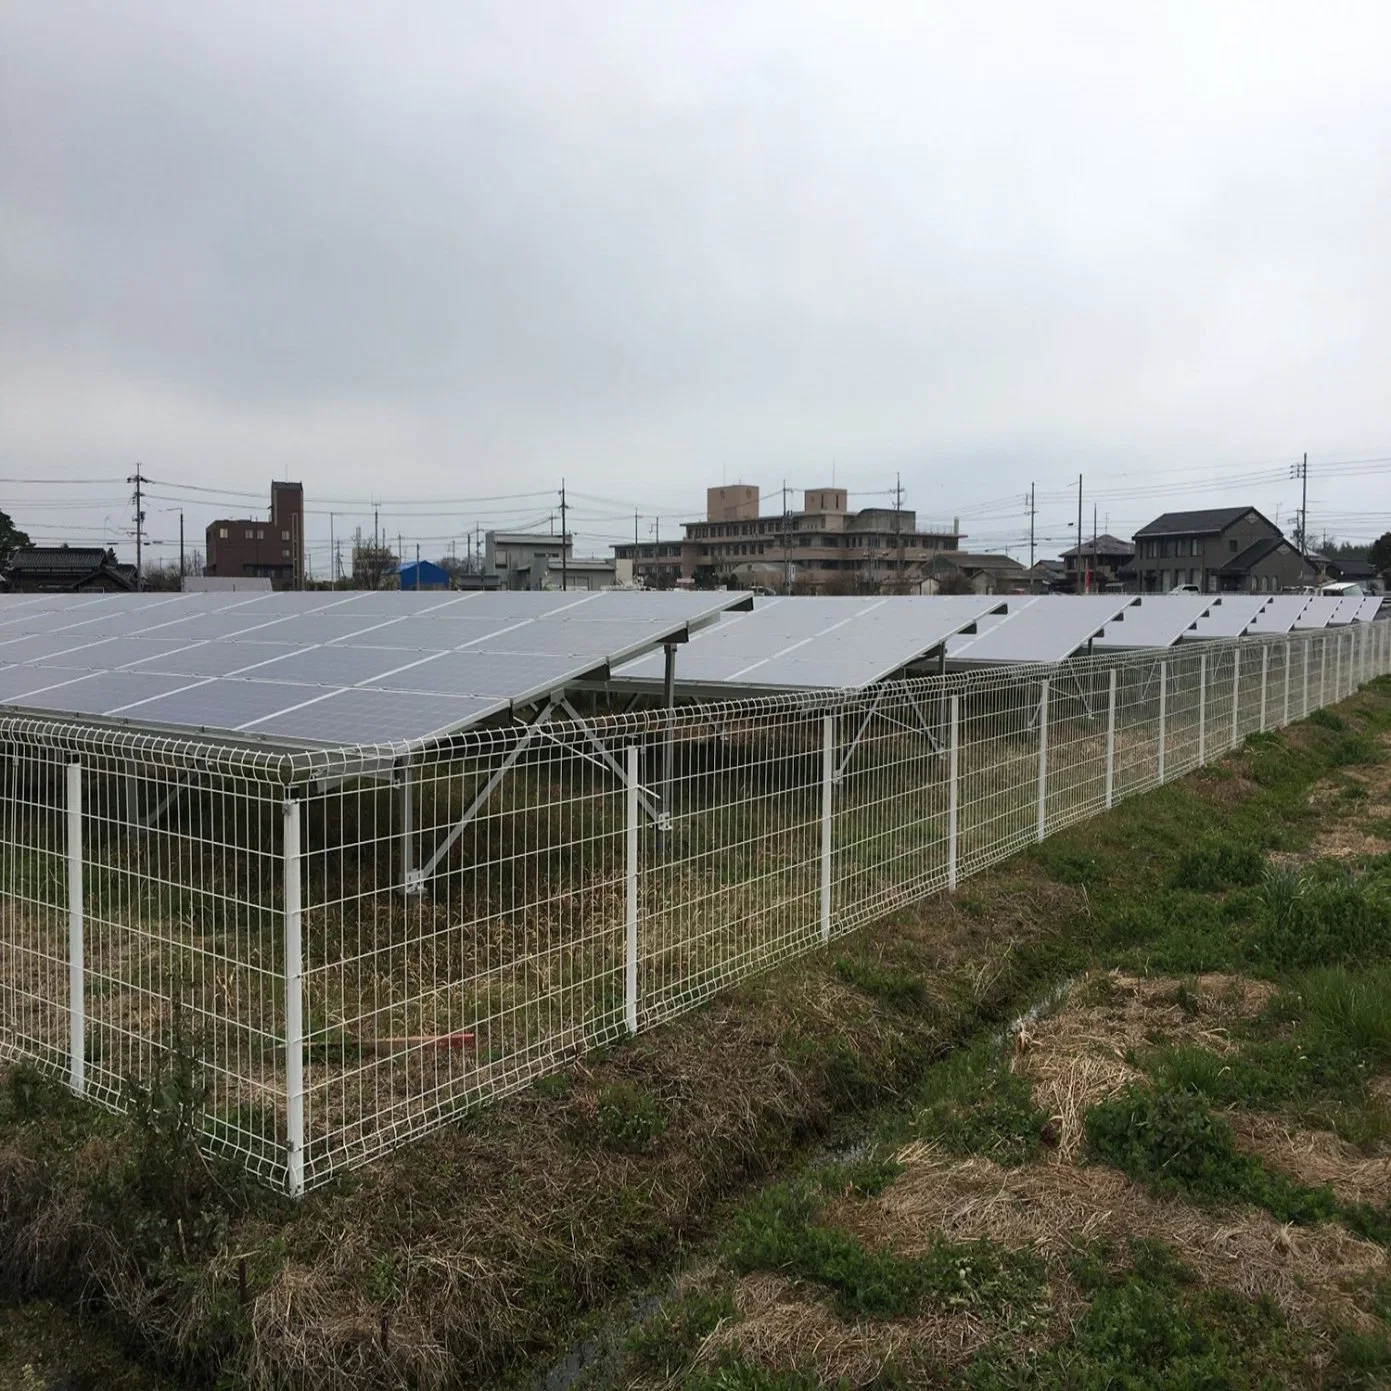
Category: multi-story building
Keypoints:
(824, 545)
(253, 546)
(1220, 550)
(655, 564)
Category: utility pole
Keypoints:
(898, 527)
(786, 544)
(181, 544)
(332, 550)
(139, 482)
(564, 546)
(376, 539)
(1091, 568)
(1301, 471)
(1079, 533)
(635, 533)
(417, 565)
(1032, 510)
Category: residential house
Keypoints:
(1097, 563)
(67, 569)
(986, 573)
(1221, 550)
(524, 559)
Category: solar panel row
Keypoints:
(792, 643)
(323, 668)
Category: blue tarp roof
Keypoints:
(429, 574)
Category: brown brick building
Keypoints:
(274, 549)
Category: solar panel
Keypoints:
(1158, 620)
(1280, 615)
(1230, 616)
(1346, 612)
(1318, 612)
(1043, 628)
(795, 643)
(324, 668)
(1370, 607)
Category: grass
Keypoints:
(779, 1230)
(974, 1104)
(1176, 1143)
(481, 1247)
(1148, 1324)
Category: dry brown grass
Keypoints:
(1314, 1157)
(1052, 1208)
(1076, 1057)
(781, 1326)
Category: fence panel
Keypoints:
(339, 952)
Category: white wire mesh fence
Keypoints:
(349, 949)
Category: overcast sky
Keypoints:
(420, 251)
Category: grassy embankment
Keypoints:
(1182, 1167)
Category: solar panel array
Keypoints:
(323, 668)
(816, 643)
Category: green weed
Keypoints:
(1174, 1142)
(974, 1104)
(629, 1118)
(666, 1340)
(1217, 864)
(892, 984)
(1150, 1327)
(778, 1230)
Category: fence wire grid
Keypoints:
(351, 948)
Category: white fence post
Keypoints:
(1163, 712)
(1265, 679)
(1304, 677)
(1202, 709)
(953, 765)
(1236, 694)
(1286, 719)
(1337, 668)
(1043, 757)
(828, 758)
(77, 988)
(294, 1005)
(412, 881)
(630, 933)
(1111, 739)
(1323, 669)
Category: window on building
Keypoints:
(222, 533)
(1231, 545)
(250, 535)
(261, 535)
(284, 535)
(286, 553)
(1164, 579)
(1193, 546)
